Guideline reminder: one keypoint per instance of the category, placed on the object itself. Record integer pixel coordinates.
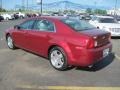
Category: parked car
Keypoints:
(1, 18)
(28, 15)
(73, 16)
(20, 15)
(66, 42)
(55, 14)
(7, 16)
(15, 16)
(118, 20)
(84, 16)
(106, 23)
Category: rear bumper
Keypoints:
(86, 57)
(115, 35)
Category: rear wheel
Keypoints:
(7, 18)
(58, 58)
(21, 17)
(10, 42)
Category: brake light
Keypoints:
(91, 43)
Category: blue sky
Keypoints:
(10, 4)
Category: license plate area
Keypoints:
(106, 52)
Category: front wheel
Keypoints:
(10, 42)
(58, 58)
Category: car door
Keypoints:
(20, 34)
(39, 36)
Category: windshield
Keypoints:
(107, 20)
(78, 25)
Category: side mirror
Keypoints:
(17, 27)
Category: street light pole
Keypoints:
(41, 7)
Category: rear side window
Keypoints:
(44, 25)
(27, 25)
(78, 25)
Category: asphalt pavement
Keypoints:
(22, 70)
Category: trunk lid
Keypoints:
(100, 37)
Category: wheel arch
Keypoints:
(7, 34)
(65, 48)
(50, 47)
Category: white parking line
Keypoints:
(1, 39)
(118, 57)
(66, 88)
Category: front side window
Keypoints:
(78, 25)
(44, 25)
(27, 25)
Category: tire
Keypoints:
(58, 58)
(10, 42)
(21, 17)
(7, 18)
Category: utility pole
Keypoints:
(115, 8)
(23, 6)
(95, 7)
(27, 4)
(40, 2)
(1, 4)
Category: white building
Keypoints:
(114, 12)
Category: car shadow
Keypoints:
(99, 65)
(113, 37)
(96, 67)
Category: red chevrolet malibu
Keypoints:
(64, 41)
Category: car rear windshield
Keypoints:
(107, 20)
(78, 25)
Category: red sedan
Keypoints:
(64, 41)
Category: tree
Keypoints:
(20, 10)
(2, 10)
(72, 11)
(89, 10)
(99, 11)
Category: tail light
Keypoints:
(91, 43)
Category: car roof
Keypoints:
(50, 17)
